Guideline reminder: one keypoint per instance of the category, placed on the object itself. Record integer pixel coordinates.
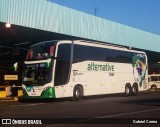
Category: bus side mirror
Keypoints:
(15, 66)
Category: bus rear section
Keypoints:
(100, 69)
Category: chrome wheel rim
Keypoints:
(127, 90)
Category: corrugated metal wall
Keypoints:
(44, 15)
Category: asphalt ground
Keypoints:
(116, 110)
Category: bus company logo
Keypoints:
(100, 67)
(75, 72)
(30, 88)
(6, 121)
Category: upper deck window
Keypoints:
(41, 50)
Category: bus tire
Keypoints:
(134, 89)
(153, 87)
(77, 93)
(128, 90)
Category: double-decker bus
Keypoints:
(77, 68)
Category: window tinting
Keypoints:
(63, 64)
(83, 53)
(41, 50)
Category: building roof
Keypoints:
(48, 16)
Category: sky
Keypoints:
(140, 14)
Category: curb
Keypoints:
(8, 98)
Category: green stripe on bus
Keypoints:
(49, 93)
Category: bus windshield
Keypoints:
(41, 50)
(37, 74)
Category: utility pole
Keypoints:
(96, 10)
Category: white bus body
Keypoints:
(83, 68)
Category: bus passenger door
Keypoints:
(62, 68)
(58, 79)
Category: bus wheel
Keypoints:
(134, 90)
(127, 90)
(153, 87)
(77, 93)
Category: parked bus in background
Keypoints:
(66, 68)
(154, 81)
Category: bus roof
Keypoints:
(117, 47)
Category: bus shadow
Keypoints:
(40, 100)
(35, 100)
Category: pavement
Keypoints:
(8, 98)
(16, 93)
(144, 106)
